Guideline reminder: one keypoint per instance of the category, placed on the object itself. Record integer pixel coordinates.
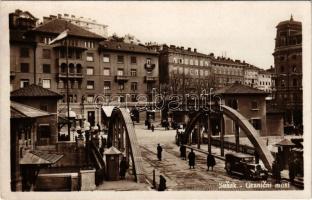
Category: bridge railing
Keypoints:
(232, 146)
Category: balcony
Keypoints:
(150, 79)
(121, 78)
(149, 67)
(70, 75)
(72, 45)
(12, 74)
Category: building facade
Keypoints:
(184, 70)
(251, 75)
(98, 71)
(250, 102)
(264, 81)
(288, 70)
(226, 72)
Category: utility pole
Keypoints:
(67, 80)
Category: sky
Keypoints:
(239, 30)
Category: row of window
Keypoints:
(295, 83)
(293, 57)
(293, 68)
(107, 72)
(264, 83)
(190, 71)
(46, 83)
(90, 98)
(71, 42)
(228, 71)
(77, 54)
(191, 62)
(46, 68)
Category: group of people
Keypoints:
(211, 162)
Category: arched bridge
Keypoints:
(121, 134)
(204, 118)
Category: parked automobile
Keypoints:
(244, 166)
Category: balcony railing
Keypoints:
(150, 79)
(12, 74)
(70, 45)
(121, 78)
(70, 75)
(149, 67)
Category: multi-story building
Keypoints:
(85, 23)
(184, 70)
(128, 71)
(288, 70)
(226, 71)
(251, 75)
(107, 69)
(264, 81)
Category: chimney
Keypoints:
(73, 16)
(46, 20)
(189, 49)
(172, 47)
(59, 16)
(52, 17)
(66, 15)
(195, 50)
(182, 48)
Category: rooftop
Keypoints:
(289, 22)
(34, 91)
(57, 26)
(19, 110)
(126, 47)
(237, 88)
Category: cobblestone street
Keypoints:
(177, 172)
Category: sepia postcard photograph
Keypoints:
(155, 99)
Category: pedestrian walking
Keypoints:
(191, 157)
(99, 127)
(148, 125)
(292, 170)
(123, 168)
(152, 128)
(276, 171)
(211, 162)
(183, 152)
(159, 150)
(162, 183)
(103, 142)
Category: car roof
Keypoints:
(240, 155)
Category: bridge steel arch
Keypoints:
(245, 125)
(121, 134)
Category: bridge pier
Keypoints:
(198, 136)
(237, 137)
(222, 136)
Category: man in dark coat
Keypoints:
(292, 170)
(123, 168)
(191, 158)
(211, 162)
(152, 127)
(162, 183)
(276, 171)
(183, 152)
(159, 150)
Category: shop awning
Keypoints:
(40, 158)
(108, 110)
(19, 110)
